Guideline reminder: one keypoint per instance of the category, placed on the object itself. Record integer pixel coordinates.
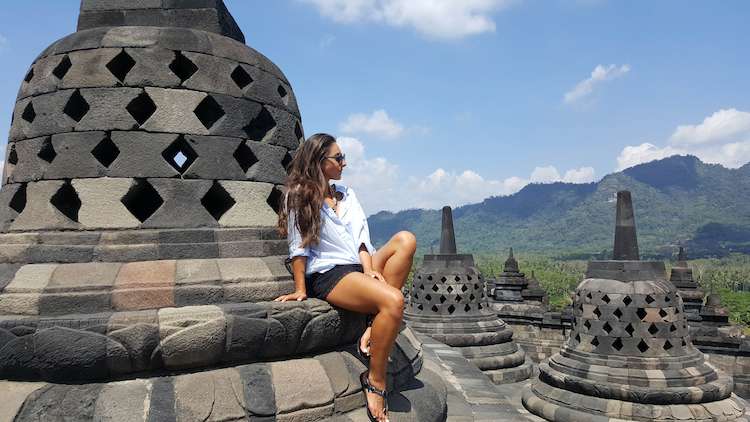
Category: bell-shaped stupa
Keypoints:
(690, 292)
(448, 303)
(629, 355)
(138, 256)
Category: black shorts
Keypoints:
(319, 285)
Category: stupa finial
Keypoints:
(626, 241)
(447, 235)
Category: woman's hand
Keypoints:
(376, 275)
(298, 296)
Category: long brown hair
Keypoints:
(306, 187)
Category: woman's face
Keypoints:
(332, 167)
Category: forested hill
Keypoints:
(677, 199)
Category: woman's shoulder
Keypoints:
(345, 190)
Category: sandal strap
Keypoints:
(370, 389)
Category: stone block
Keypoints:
(123, 401)
(74, 156)
(141, 155)
(144, 285)
(188, 250)
(125, 253)
(233, 235)
(216, 159)
(7, 214)
(43, 81)
(131, 36)
(184, 39)
(182, 204)
(30, 166)
(251, 208)
(192, 336)
(39, 212)
(197, 271)
(241, 270)
(258, 388)
(140, 340)
(213, 75)
(89, 276)
(87, 5)
(288, 132)
(252, 248)
(7, 273)
(88, 69)
(257, 291)
(187, 236)
(108, 109)
(31, 278)
(14, 395)
(175, 111)
(81, 40)
(151, 68)
(239, 113)
(62, 254)
(101, 203)
(268, 168)
(57, 402)
(302, 384)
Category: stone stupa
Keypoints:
(138, 256)
(692, 295)
(448, 303)
(629, 355)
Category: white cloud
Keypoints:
(380, 186)
(580, 175)
(377, 124)
(599, 75)
(724, 125)
(439, 19)
(546, 174)
(722, 138)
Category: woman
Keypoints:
(333, 259)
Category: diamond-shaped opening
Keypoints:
(667, 345)
(479, 306)
(627, 300)
(121, 65)
(420, 307)
(605, 298)
(457, 278)
(435, 308)
(13, 155)
(241, 77)
(641, 313)
(183, 67)
(142, 200)
(643, 346)
(668, 298)
(47, 152)
(217, 201)
(260, 126)
(467, 308)
(617, 344)
(662, 313)
(287, 161)
(450, 289)
(676, 310)
(684, 343)
(451, 309)
(76, 107)
(672, 328)
(595, 341)
(435, 288)
(428, 297)
(66, 201)
(653, 329)
(274, 199)
(282, 93)
(142, 108)
(464, 288)
(597, 312)
(443, 279)
(180, 154)
(29, 76)
(416, 295)
(106, 152)
(245, 157)
(62, 68)
(649, 299)
(607, 328)
(578, 338)
(209, 112)
(617, 313)
(458, 298)
(443, 299)
(421, 286)
(472, 297)
(29, 114)
(630, 330)
(298, 132)
(419, 277)
(587, 324)
(18, 201)
(588, 296)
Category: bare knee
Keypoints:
(393, 305)
(407, 241)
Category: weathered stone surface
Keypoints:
(257, 385)
(14, 395)
(251, 208)
(21, 295)
(58, 402)
(175, 111)
(144, 285)
(140, 340)
(101, 203)
(42, 215)
(123, 401)
(216, 158)
(192, 336)
(302, 385)
(141, 155)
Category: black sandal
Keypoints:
(364, 379)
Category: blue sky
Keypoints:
(450, 101)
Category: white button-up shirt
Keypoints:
(340, 235)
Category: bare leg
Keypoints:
(357, 292)
(394, 261)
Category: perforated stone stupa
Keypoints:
(448, 303)
(629, 355)
(138, 255)
(690, 292)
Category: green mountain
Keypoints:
(678, 199)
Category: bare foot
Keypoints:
(364, 342)
(376, 402)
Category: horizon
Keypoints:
(400, 90)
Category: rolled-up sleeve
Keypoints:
(294, 238)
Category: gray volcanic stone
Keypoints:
(74, 157)
(260, 399)
(151, 67)
(141, 155)
(123, 401)
(269, 168)
(58, 402)
(174, 193)
(162, 403)
(140, 340)
(7, 272)
(212, 162)
(30, 166)
(41, 214)
(84, 71)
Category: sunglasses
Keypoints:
(340, 158)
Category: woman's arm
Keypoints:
(365, 258)
(298, 271)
